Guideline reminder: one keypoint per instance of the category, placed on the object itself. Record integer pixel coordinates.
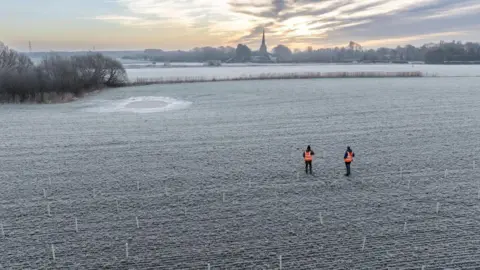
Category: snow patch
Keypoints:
(143, 104)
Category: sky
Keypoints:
(185, 24)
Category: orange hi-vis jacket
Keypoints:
(349, 157)
(308, 156)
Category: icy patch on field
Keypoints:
(145, 104)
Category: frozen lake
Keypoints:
(213, 173)
(239, 70)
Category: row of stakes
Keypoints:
(138, 226)
(76, 220)
(76, 229)
(223, 199)
(437, 209)
(280, 257)
(250, 183)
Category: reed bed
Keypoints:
(275, 76)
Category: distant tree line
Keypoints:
(23, 81)
(451, 52)
(443, 52)
(195, 55)
(440, 53)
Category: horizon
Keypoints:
(233, 47)
(136, 25)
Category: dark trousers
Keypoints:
(307, 165)
(347, 164)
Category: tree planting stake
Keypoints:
(53, 252)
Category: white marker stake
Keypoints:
(208, 266)
(405, 227)
(321, 218)
(364, 241)
(118, 208)
(166, 191)
(438, 206)
(126, 250)
(53, 252)
(44, 193)
(48, 208)
(280, 260)
(223, 197)
(423, 267)
(1, 227)
(50, 180)
(138, 225)
(138, 185)
(76, 225)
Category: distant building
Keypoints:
(263, 47)
(262, 56)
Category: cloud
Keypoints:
(415, 22)
(186, 12)
(127, 20)
(255, 32)
(117, 18)
(456, 11)
(301, 21)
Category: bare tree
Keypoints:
(21, 80)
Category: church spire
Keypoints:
(263, 47)
(263, 38)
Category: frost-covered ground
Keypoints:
(214, 174)
(238, 70)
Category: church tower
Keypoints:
(263, 47)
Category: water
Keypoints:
(240, 70)
(245, 140)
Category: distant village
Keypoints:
(454, 52)
(260, 56)
(443, 52)
(241, 54)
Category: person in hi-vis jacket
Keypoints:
(308, 157)
(348, 158)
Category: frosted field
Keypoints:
(240, 70)
(213, 173)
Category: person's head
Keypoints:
(308, 148)
(349, 149)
